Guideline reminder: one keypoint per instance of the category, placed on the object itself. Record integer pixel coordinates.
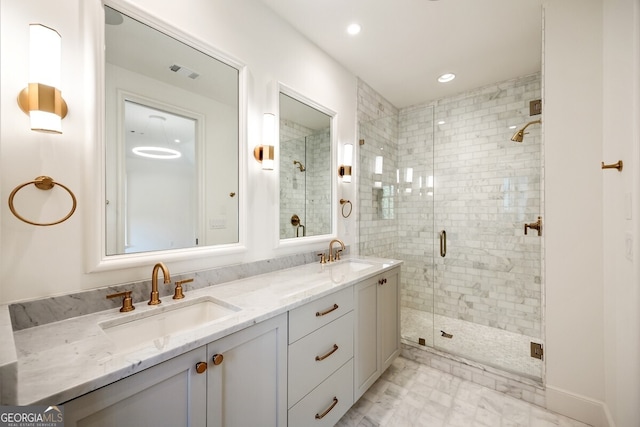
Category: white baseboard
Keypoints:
(581, 408)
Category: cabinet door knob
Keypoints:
(201, 367)
(217, 359)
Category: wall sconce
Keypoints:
(344, 171)
(265, 153)
(42, 99)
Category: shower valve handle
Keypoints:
(534, 225)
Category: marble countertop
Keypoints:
(59, 361)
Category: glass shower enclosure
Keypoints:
(444, 188)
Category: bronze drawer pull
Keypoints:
(322, 313)
(321, 416)
(333, 350)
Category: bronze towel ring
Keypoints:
(344, 203)
(43, 183)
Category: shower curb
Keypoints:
(527, 389)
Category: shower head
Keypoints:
(519, 135)
(300, 165)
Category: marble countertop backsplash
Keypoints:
(58, 351)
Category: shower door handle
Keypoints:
(443, 243)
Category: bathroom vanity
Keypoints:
(292, 347)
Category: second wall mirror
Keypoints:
(305, 169)
(171, 142)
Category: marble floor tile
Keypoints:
(410, 394)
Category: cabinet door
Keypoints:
(248, 386)
(169, 394)
(377, 333)
(389, 318)
(366, 336)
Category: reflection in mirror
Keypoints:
(182, 105)
(305, 170)
(160, 154)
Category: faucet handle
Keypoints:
(337, 256)
(178, 292)
(127, 302)
(323, 258)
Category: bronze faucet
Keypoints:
(154, 282)
(337, 257)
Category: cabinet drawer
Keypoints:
(306, 319)
(338, 386)
(332, 344)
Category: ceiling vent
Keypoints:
(184, 71)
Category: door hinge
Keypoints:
(536, 350)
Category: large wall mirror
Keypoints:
(171, 142)
(305, 169)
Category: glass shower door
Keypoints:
(487, 298)
(416, 233)
(396, 209)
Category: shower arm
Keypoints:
(531, 123)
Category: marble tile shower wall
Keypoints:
(487, 187)
(476, 184)
(416, 232)
(378, 127)
(318, 182)
(312, 149)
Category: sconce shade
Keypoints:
(42, 99)
(268, 129)
(344, 171)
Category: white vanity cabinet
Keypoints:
(172, 393)
(303, 368)
(377, 328)
(247, 386)
(320, 360)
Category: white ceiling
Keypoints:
(406, 44)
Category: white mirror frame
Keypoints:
(322, 238)
(95, 224)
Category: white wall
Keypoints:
(572, 120)
(621, 194)
(42, 261)
(592, 114)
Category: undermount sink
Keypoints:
(356, 266)
(352, 265)
(158, 324)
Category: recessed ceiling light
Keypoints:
(447, 77)
(354, 29)
(156, 152)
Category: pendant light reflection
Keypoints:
(42, 99)
(156, 153)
